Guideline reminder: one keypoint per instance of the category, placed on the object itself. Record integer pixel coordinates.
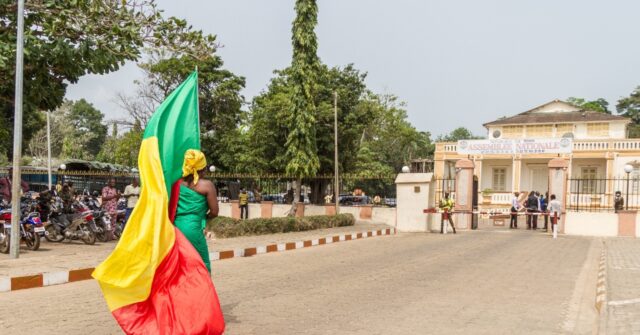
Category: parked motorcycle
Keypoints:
(101, 223)
(72, 226)
(31, 227)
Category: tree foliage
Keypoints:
(599, 105)
(457, 134)
(301, 149)
(64, 40)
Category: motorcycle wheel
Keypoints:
(33, 242)
(4, 242)
(52, 234)
(102, 237)
(88, 237)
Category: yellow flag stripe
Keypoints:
(127, 274)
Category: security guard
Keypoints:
(446, 205)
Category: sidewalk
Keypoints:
(57, 263)
(623, 287)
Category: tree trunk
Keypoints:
(297, 188)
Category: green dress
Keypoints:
(191, 220)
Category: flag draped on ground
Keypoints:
(154, 281)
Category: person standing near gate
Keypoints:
(447, 205)
(555, 209)
(544, 202)
(515, 207)
(243, 199)
(532, 209)
(618, 202)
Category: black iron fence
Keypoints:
(355, 189)
(599, 195)
(443, 186)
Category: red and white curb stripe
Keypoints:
(601, 285)
(62, 277)
(248, 252)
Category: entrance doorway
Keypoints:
(539, 179)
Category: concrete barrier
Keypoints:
(385, 215)
(591, 224)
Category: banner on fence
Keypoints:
(515, 146)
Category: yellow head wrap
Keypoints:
(194, 161)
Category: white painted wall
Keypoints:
(578, 163)
(617, 130)
(386, 215)
(310, 210)
(410, 215)
(280, 210)
(619, 163)
(591, 224)
(224, 209)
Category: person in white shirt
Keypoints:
(515, 207)
(131, 193)
(555, 209)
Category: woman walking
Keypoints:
(197, 202)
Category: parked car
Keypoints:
(391, 202)
(354, 200)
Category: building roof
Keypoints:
(556, 111)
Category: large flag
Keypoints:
(154, 281)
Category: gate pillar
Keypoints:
(464, 194)
(558, 186)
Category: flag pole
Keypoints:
(17, 138)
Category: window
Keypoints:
(563, 128)
(598, 129)
(499, 179)
(512, 131)
(589, 174)
(539, 130)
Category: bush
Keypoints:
(228, 227)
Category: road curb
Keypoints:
(601, 285)
(62, 277)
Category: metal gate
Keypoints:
(474, 204)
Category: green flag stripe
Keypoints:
(176, 124)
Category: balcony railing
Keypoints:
(578, 145)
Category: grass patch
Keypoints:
(229, 227)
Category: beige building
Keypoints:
(515, 154)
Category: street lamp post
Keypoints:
(336, 190)
(49, 147)
(16, 187)
(627, 169)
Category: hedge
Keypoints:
(229, 227)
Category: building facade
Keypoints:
(595, 145)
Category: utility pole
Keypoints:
(49, 147)
(16, 188)
(336, 189)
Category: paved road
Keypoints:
(470, 283)
(623, 286)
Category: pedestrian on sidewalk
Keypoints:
(555, 210)
(131, 193)
(244, 204)
(110, 196)
(515, 208)
(446, 205)
(618, 202)
(6, 184)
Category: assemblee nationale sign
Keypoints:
(515, 146)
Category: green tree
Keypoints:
(64, 40)
(457, 134)
(630, 107)
(599, 105)
(301, 150)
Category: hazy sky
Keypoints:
(455, 63)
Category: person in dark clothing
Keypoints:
(544, 202)
(618, 202)
(532, 209)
